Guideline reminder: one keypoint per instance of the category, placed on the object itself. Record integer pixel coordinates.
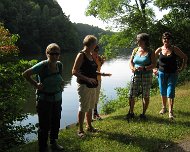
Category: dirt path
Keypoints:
(181, 146)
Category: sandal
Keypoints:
(92, 129)
(163, 111)
(97, 117)
(81, 134)
(171, 116)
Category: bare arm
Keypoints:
(27, 75)
(179, 53)
(131, 64)
(157, 52)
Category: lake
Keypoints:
(121, 74)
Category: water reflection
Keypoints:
(120, 77)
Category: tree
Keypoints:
(38, 22)
(177, 21)
(133, 17)
(130, 17)
(12, 91)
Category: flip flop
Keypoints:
(81, 134)
(92, 129)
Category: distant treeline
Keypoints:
(40, 22)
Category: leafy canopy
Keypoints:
(133, 17)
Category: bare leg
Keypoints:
(164, 100)
(89, 118)
(145, 105)
(81, 120)
(170, 105)
(131, 105)
(95, 109)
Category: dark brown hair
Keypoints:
(167, 35)
(144, 37)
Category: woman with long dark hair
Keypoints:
(168, 71)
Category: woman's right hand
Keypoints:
(39, 86)
(92, 81)
(155, 71)
(133, 70)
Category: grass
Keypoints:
(158, 133)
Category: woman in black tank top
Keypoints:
(85, 69)
(167, 71)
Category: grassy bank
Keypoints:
(116, 134)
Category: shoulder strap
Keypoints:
(44, 72)
(135, 51)
(60, 67)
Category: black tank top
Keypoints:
(88, 69)
(168, 64)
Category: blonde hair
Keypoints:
(52, 47)
(89, 40)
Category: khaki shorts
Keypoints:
(87, 97)
(98, 91)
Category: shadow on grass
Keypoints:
(145, 144)
(150, 118)
(185, 114)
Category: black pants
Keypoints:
(49, 115)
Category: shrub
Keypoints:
(13, 92)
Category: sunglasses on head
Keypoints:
(54, 53)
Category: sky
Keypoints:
(76, 10)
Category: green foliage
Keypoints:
(133, 17)
(177, 21)
(183, 76)
(13, 92)
(85, 29)
(38, 23)
(109, 106)
(130, 18)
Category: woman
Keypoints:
(141, 63)
(49, 96)
(99, 61)
(85, 69)
(167, 71)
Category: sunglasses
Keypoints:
(54, 53)
(166, 38)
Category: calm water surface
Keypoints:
(119, 68)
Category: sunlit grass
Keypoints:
(118, 135)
